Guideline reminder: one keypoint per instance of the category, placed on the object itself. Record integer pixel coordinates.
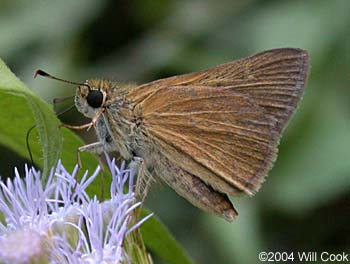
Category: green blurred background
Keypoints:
(305, 203)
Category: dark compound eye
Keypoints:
(95, 98)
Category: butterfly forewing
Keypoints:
(215, 132)
(226, 121)
(273, 80)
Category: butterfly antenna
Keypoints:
(47, 75)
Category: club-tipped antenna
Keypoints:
(47, 75)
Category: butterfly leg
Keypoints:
(88, 125)
(144, 178)
(96, 148)
(143, 183)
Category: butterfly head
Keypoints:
(91, 96)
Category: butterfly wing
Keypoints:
(273, 80)
(212, 132)
(223, 124)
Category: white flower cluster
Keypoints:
(60, 223)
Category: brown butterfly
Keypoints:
(206, 134)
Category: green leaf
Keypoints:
(20, 110)
(159, 239)
(23, 110)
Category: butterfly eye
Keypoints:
(95, 98)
